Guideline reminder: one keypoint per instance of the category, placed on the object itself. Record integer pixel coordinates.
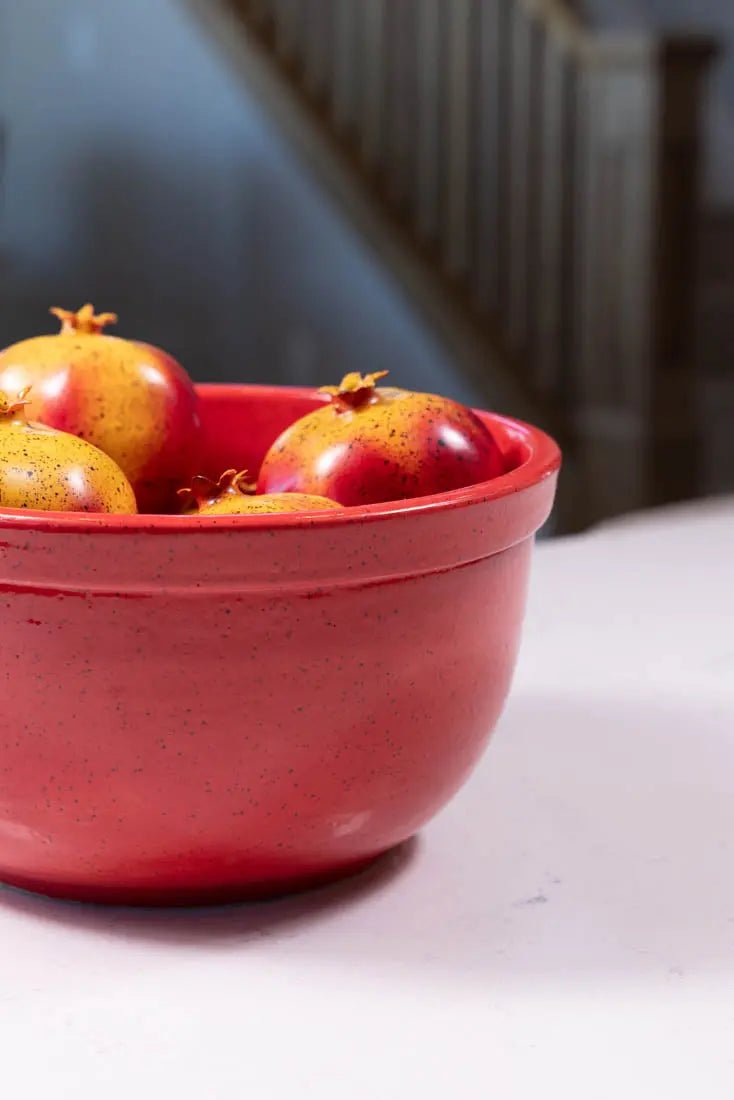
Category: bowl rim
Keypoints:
(543, 462)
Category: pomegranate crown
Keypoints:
(9, 407)
(354, 390)
(84, 320)
(203, 490)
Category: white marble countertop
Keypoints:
(565, 928)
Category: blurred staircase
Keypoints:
(533, 186)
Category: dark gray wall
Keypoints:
(138, 174)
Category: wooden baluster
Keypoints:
(347, 64)
(429, 119)
(401, 97)
(318, 46)
(552, 257)
(521, 167)
(459, 123)
(311, 46)
(286, 14)
(492, 96)
(331, 63)
(373, 92)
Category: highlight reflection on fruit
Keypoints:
(132, 400)
(372, 444)
(233, 495)
(50, 470)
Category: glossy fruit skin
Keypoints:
(42, 468)
(282, 700)
(390, 444)
(131, 400)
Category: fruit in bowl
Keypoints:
(209, 708)
(132, 400)
(233, 495)
(373, 443)
(48, 470)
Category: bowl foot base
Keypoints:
(185, 894)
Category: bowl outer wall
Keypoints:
(196, 710)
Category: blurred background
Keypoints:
(525, 204)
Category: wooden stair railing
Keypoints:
(534, 185)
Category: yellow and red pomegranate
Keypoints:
(132, 400)
(372, 444)
(43, 468)
(234, 495)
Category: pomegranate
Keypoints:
(50, 470)
(204, 492)
(233, 495)
(372, 444)
(131, 400)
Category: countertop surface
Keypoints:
(564, 928)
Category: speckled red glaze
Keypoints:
(209, 708)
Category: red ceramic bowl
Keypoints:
(203, 709)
